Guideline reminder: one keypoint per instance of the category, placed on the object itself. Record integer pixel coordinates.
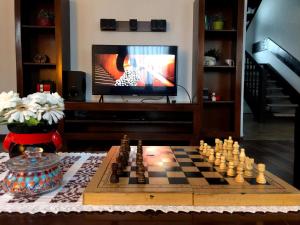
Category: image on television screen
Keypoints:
(134, 69)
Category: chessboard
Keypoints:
(182, 176)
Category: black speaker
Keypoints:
(74, 86)
(133, 24)
(108, 24)
(159, 25)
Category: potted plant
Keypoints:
(218, 22)
(32, 121)
(211, 57)
(45, 18)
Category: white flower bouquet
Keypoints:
(35, 109)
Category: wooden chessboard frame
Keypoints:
(101, 192)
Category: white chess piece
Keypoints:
(239, 178)
(211, 158)
(249, 167)
(218, 159)
(235, 153)
(223, 164)
(230, 171)
(260, 179)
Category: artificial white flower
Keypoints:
(38, 98)
(50, 113)
(55, 99)
(20, 113)
(8, 100)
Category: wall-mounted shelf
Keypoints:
(140, 26)
(219, 68)
(39, 64)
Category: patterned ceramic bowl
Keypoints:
(33, 173)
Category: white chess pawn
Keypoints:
(230, 171)
(211, 158)
(223, 164)
(239, 178)
(260, 179)
(218, 159)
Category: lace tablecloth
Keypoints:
(78, 171)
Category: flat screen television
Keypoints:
(134, 70)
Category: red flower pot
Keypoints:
(21, 136)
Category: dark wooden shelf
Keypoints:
(39, 64)
(127, 121)
(95, 106)
(218, 102)
(132, 135)
(221, 31)
(219, 68)
(38, 27)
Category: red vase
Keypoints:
(21, 136)
(44, 22)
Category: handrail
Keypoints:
(255, 87)
(283, 55)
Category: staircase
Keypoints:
(267, 93)
(279, 103)
(251, 10)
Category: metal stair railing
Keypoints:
(255, 87)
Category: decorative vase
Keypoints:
(21, 136)
(218, 25)
(209, 61)
(44, 22)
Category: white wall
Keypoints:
(85, 31)
(279, 20)
(7, 49)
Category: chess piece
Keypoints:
(242, 155)
(235, 153)
(211, 157)
(223, 164)
(229, 149)
(217, 140)
(230, 171)
(119, 169)
(225, 149)
(208, 151)
(126, 140)
(218, 159)
(204, 149)
(240, 171)
(201, 145)
(114, 178)
(249, 167)
(260, 179)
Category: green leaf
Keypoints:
(32, 122)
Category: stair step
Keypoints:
(278, 96)
(274, 88)
(283, 105)
(271, 81)
(284, 115)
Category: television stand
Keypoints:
(151, 122)
(101, 99)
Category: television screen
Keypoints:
(130, 70)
